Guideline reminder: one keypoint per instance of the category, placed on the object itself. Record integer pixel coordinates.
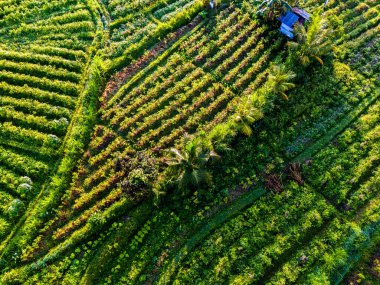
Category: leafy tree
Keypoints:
(190, 165)
(280, 80)
(313, 43)
(272, 8)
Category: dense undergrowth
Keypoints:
(285, 150)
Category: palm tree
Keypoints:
(189, 165)
(280, 80)
(246, 115)
(313, 43)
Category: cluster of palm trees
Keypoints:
(280, 80)
(190, 166)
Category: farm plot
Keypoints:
(39, 87)
(135, 21)
(106, 229)
(175, 97)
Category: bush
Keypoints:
(15, 208)
(96, 221)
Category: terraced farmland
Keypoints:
(40, 87)
(107, 107)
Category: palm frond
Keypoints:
(318, 59)
(284, 96)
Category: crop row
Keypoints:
(101, 138)
(39, 71)
(5, 200)
(127, 35)
(166, 13)
(113, 147)
(69, 28)
(32, 10)
(35, 107)
(199, 39)
(26, 92)
(98, 175)
(121, 8)
(320, 248)
(41, 59)
(365, 192)
(254, 239)
(245, 35)
(42, 83)
(356, 151)
(157, 83)
(142, 248)
(65, 53)
(165, 106)
(245, 53)
(127, 29)
(194, 78)
(200, 117)
(22, 163)
(9, 180)
(40, 123)
(124, 94)
(28, 137)
(223, 38)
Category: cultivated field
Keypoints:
(159, 142)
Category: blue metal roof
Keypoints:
(301, 13)
(289, 19)
(287, 31)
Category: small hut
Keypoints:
(290, 18)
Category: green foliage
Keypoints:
(314, 43)
(189, 166)
(15, 209)
(280, 80)
(96, 221)
(77, 177)
(142, 169)
(272, 8)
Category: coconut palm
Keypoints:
(313, 43)
(280, 80)
(246, 115)
(189, 165)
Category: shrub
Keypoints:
(15, 208)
